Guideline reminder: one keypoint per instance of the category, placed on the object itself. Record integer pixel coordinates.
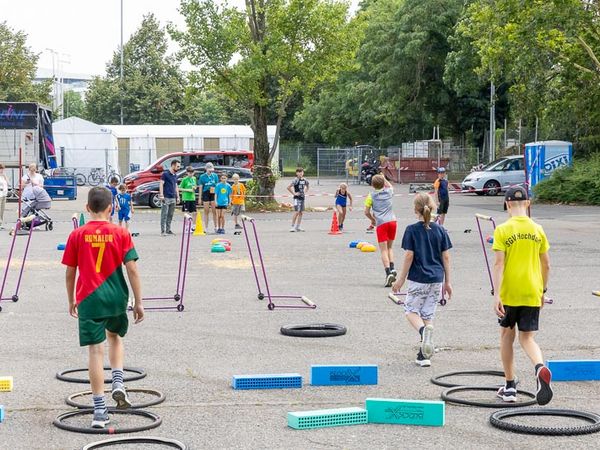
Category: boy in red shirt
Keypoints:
(98, 250)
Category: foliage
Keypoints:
(153, 86)
(73, 104)
(263, 56)
(17, 69)
(577, 184)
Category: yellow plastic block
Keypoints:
(6, 384)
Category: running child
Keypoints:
(223, 198)
(112, 187)
(98, 250)
(426, 266)
(378, 208)
(342, 195)
(125, 206)
(188, 187)
(441, 194)
(521, 270)
(298, 188)
(238, 199)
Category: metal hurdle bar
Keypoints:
(262, 295)
(184, 252)
(478, 218)
(15, 296)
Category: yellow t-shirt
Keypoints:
(238, 194)
(522, 241)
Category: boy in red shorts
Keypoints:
(98, 250)
(378, 208)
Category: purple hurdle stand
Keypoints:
(15, 296)
(267, 293)
(75, 221)
(184, 252)
(479, 218)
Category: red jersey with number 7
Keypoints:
(98, 250)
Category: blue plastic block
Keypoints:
(574, 370)
(1, 413)
(267, 381)
(61, 246)
(343, 375)
(406, 412)
(302, 420)
(353, 244)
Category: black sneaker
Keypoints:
(170, 233)
(389, 279)
(422, 361)
(544, 393)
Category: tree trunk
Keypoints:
(263, 175)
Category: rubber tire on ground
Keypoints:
(140, 373)
(437, 379)
(159, 398)
(136, 440)
(314, 330)
(58, 422)
(447, 397)
(496, 419)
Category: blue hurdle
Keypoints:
(267, 381)
(574, 370)
(342, 375)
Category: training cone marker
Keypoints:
(60, 246)
(220, 241)
(199, 231)
(360, 244)
(218, 248)
(335, 229)
(81, 220)
(353, 244)
(368, 248)
(596, 293)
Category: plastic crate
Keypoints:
(302, 420)
(6, 384)
(406, 412)
(574, 370)
(267, 381)
(343, 375)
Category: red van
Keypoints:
(238, 158)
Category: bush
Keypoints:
(577, 184)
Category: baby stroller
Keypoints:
(35, 201)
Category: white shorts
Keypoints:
(422, 299)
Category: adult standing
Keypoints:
(169, 194)
(208, 181)
(3, 194)
(32, 177)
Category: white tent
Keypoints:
(83, 144)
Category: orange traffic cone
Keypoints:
(335, 229)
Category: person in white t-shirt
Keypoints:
(32, 177)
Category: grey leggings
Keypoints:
(2, 206)
(166, 214)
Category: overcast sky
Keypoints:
(85, 32)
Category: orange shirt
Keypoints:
(238, 194)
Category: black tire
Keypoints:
(50, 226)
(80, 179)
(314, 330)
(492, 188)
(438, 378)
(479, 192)
(159, 398)
(154, 201)
(156, 421)
(139, 374)
(136, 440)
(497, 421)
(447, 397)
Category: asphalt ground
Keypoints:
(225, 331)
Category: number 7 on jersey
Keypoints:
(101, 246)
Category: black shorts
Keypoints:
(525, 317)
(189, 206)
(443, 208)
(221, 206)
(208, 196)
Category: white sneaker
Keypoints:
(298, 229)
(427, 347)
(293, 230)
(507, 394)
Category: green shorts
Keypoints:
(93, 331)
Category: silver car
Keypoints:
(496, 176)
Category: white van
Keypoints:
(496, 176)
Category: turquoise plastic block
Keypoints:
(267, 381)
(406, 412)
(302, 420)
(1, 413)
(574, 370)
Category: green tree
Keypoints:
(264, 55)
(73, 104)
(17, 69)
(153, 88)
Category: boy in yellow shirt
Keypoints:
(521, 270)
(238, 197)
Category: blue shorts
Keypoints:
(124, 214)
(341, 201)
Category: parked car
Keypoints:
(147, 193)
(496, 176)
(228, 158)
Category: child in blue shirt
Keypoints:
(223, 199)
(124, 205)
(112, 187)
(427, 267)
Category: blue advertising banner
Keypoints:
(543, 158)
